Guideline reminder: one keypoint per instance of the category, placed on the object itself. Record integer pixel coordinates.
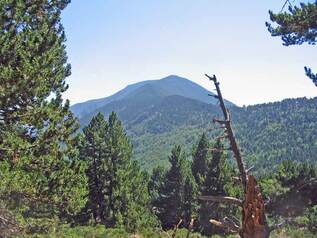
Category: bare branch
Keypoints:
(222, 122)
(219, 150)
(226, 224)
(221, 137)
(233, 143)
(249, 169)
(222, 199)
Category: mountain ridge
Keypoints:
(172, 85)
(156, 118)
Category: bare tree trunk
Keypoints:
(253, 224)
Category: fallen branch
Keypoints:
(222, 199)
(227, 224)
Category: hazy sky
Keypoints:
(113, 43)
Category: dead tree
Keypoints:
(253, 224)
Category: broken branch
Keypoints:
(226, 223)
(222, 199)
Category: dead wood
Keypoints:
(222, 199)
(253, 222)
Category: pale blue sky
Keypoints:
(113, 43)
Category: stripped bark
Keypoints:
(254, 223)
(227, 123)
(227, 224)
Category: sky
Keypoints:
(113, 43)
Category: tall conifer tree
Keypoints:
(37, 129)
(118, 192)
(171, 194)
(217, 182)
(177, 193)
(201, 159)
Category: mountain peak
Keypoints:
(172, 77)
(167, 86)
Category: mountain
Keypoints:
(161, 113)
(171, 85)
(267, 133)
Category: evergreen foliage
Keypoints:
(118, 193)
(51, 174)
(41, 177)
(296, 27)
(271, 132)
(201, 159)
(292, 194)
(218, 182)
(172, 200)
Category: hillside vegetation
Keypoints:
(268, 133)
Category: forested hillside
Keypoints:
(268, 133)
(148, 161)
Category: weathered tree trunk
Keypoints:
(253, 223)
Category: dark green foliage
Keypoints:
(296, 27)
(177, 192)
(274, 132)
(171, 204)
(271, 132)
(190, 205)
(312, 218)
(118, 193)
(218, 182)
(298, 189)
(155, 184)
(94, 150)
(292, 193)
(201, 160)
(41, 177)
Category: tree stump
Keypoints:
(254, 223)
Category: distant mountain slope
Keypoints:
(270, 133)
(159, 114)
(171, 85)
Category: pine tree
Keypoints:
(296, 27)
(156, 182)
(170, 203)
(94, 150)
(218, 182)
(37, 129)
(201, 158)
(190, 198)
(118, 192)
